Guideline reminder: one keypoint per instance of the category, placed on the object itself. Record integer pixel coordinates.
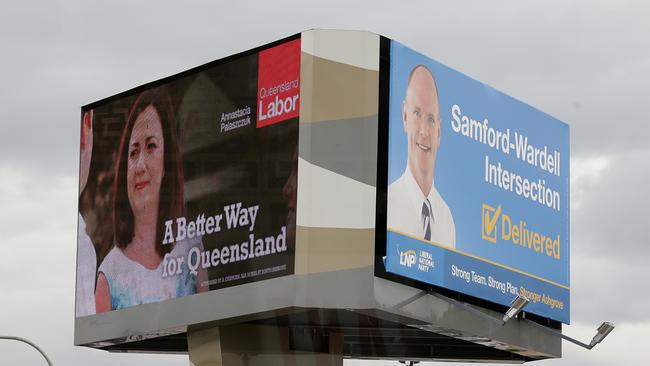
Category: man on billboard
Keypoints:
(415, 207)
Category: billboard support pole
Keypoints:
(402, 304)
(468, 308)
(451, 301)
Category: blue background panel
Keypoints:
(460, 178)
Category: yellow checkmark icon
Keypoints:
(489, 223)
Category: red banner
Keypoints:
(278, 84)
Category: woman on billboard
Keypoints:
(147, 191)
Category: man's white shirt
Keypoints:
(405, 200)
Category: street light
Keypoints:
(12, 338)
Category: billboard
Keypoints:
(188, 184)
(478, 188)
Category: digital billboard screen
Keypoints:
(188, 184)
(478, 188)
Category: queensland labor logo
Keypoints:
(278, 83)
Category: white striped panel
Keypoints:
(356, 48)
(331, 200)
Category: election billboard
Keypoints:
(478, 188)
(187, 184)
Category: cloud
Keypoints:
(609, 240)
(585, 173)
(608, 289)
(608, 216)
(37, 272)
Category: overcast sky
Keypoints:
(584, 62)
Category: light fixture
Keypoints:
(515, 307)
(601, 333)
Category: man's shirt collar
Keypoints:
(414, 191)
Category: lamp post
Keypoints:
(30, 343)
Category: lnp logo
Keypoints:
(489, 218)
(407, 258)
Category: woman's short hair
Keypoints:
(171, 204)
